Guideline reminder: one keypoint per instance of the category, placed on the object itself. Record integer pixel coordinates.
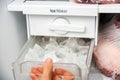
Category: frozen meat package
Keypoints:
(108, 1)
(107, 52)
(97, 1)
(85, 1)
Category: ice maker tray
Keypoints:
(44, 42)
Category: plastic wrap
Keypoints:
(98, 1)
(108, 1)
(85, 1)
(107, 52)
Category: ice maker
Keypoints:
(57, 18)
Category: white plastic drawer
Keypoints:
(63, 26)
(17, 65)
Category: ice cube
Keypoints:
(52, 44)
(62, 51)
(69, 50)
(51, 54)
(38, 50)
(31, 55)
(83, 50)
(81, 42)
(34, 54)
(71, 43)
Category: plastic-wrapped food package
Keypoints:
(107, 52)
(97, 1)
(108, 1)
(86, 1)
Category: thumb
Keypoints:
(47, 70)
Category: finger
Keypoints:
(63, 72)
(60, 77)
(47, 70)
(36, 71)
(40, 69)
(59, 71)
(67, 73)
(57, 77)
(48, 66)
(33, 76)
(68, 78)
(53, 75)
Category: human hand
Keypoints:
(61, 74)
(46, 72)
(43, 72)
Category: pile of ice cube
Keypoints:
(62, 50)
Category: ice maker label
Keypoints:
(58, 11)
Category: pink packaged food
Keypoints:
(86, 1)
(107, 52)
(97, 1)
(108, 1)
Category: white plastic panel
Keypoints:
(34, 7)
(59, 8)
(109, 8)
(71, 26)
(53, 8)
(47, 0)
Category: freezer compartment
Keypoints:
(64, 26)
(84, 60)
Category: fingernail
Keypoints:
(48, 60)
